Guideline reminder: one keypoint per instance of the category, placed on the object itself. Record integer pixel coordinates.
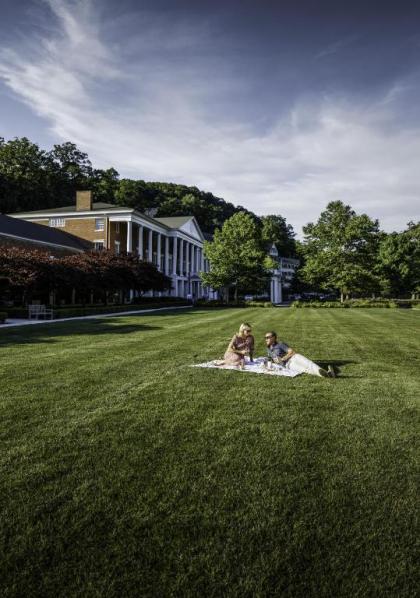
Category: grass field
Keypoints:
(123, 472)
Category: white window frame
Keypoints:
(57, 222)
(117, 227)
(99, 241)
(117, 247)
(99, 223)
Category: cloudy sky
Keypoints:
(278, 106)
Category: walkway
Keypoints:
(23, 322)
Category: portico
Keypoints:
(174, 245)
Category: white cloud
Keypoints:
(161, 117)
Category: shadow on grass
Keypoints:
(337, 364)
(24, 335)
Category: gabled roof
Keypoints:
(174, 221)
(38, 233)
(186, 224)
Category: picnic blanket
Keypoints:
(255, 367)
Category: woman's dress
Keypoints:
(240, 344)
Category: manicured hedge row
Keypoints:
(3, 316)
(219, 303)
(152, 300)
(352, 303)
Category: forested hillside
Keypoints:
(33, 179)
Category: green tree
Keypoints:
(236, 257)
(134, 194)
(276, 230)
(26, 176)
(399, 262)
(105, 184)
(340, 250)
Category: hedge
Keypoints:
(219, 303)
(352, 303)
(258, 304)
(3, 317)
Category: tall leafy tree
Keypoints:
(134, 194)
(399, 261)
(274, 229)
(26, 176)
(105, 184)
(340, 250)
(73, 170)
(236, 256)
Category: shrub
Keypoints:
(218, 303)
(153, 300)
(351, 303)
(319, 304)
(258, 304)
(3, 316)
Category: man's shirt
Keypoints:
(277, 350)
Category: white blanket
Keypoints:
(256, 367)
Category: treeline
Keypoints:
(27, 273)
(349, 253)
(33, 179)
(343, 252)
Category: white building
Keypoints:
(282, 275)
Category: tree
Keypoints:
(399, 261)
(276, 230)
(25, 176)
(134, 194)
(105, 184)
(340, 250)
(30, 271)
(236, 256)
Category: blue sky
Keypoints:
(277, 106)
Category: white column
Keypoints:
(187, 261)
(193, 261)
(174, 255)
(202, 260)
(129, 237)
(181, 257)
(141, 241)
(150, 247)
(159, 250)
(280, 297)
(166, 269)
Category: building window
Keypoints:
(117, 227)
(57, 222)
(98, 245)
(117, 246)
(99, 224)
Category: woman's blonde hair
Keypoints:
(243, 326)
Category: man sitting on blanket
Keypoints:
(282, 354)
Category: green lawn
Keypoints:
(123, 472)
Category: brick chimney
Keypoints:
(83, 201)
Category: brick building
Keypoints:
(20, 233)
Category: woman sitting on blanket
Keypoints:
(241, 345)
